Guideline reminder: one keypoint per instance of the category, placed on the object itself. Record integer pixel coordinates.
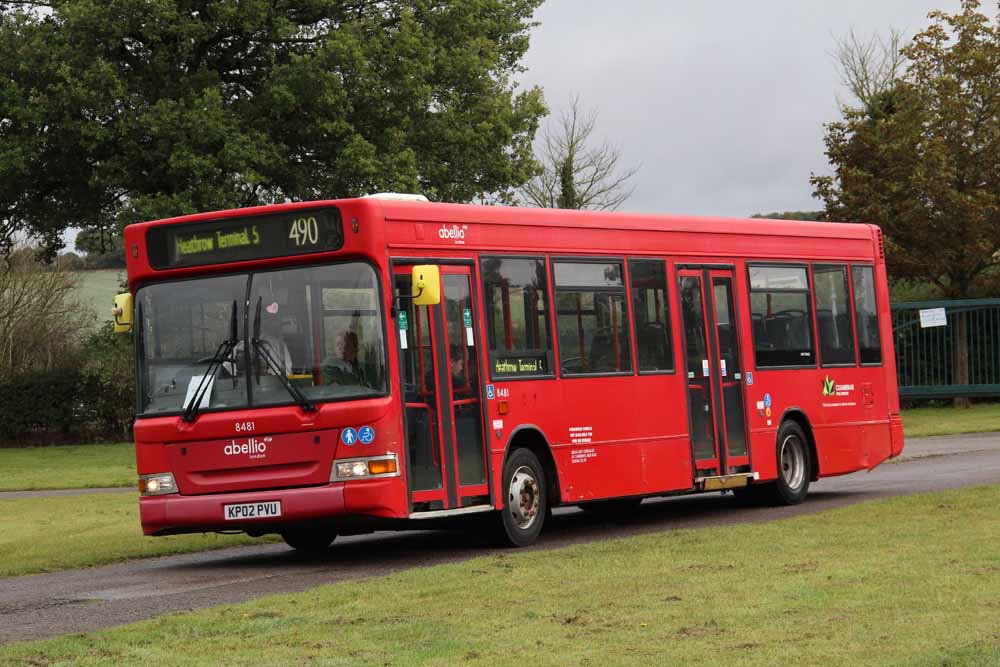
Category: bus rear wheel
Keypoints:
(526, 502)
(309, 541)
(794, 466)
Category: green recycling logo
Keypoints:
(828, 389)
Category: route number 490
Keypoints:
(304, 231)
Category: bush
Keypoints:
(92, 399)
(54, 383)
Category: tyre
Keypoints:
(794, 465)
(307, 540)
(616, 508)
(526, 501)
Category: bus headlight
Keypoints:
(159, 484)
(372, 466)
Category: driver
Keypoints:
(346, 369)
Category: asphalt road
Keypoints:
(46, 605)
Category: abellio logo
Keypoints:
(254, 448)
(454, 233)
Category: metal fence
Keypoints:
(933, 337)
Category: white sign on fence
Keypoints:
(933, 317)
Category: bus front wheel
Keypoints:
(525, 500)
(309, 541)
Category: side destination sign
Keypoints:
(239, 239)
(519, 366)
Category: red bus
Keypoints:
(336, 367)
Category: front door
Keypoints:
(714, 372)
(439, 362)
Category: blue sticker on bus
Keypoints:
(749, 378)
(366, 434)
(490, 392)
(767, 400)
(349, 436)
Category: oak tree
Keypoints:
(113, 111)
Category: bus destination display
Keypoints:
(240, 239)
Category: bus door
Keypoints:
(439, 363)
(714, 372)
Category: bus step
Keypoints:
(437, 514)
(720, 482)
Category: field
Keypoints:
(49, 534)
(67, 467)
(96, 291)
(979, 418)
(913, 580)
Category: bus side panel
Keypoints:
(610, 436)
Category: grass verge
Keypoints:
(48, 534)
(67, 467)
(910, 580)
(980, 418)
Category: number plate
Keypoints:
(265, 510)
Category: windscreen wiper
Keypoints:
(261, 350)
(215, 363)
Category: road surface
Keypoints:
(38, 606)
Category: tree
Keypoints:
(869, 67)
(926, 168)
(117, 111)
(791, 215)
(575, 174)
(928, 171)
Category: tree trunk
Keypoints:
(961, 348)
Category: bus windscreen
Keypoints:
(240, 239)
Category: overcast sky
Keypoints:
(722, 102)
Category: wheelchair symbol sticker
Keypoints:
(490, 392)
(366, 434)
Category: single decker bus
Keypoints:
(336, 367)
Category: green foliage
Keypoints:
(114, 111)
(923, 160)
(567, 186)
(88, 395)
(791, 215)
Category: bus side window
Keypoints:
(651, 313)
(515, 290)
(866, 314)
(779, 299)
(833, 315)
(592, 321)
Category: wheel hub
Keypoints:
(523, 497)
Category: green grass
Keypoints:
(67, 467)
(910, 580)
(96, 290)
(49, 534)
(979, 418)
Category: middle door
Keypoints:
(714, 371)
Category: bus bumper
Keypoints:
(174, 514)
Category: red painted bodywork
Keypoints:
(639, 423)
